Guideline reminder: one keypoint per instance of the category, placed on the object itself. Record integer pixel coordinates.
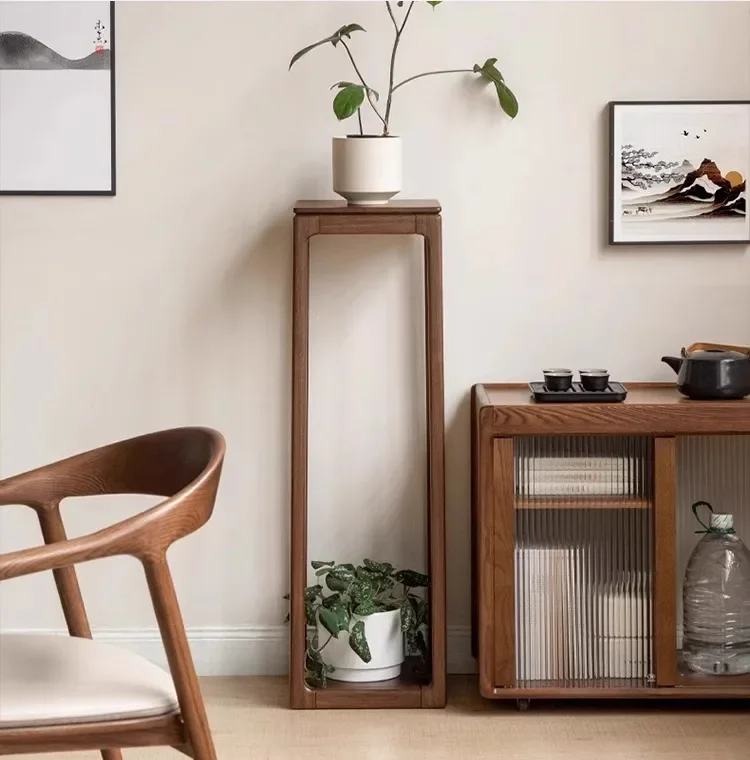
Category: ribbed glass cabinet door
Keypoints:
(583, 560)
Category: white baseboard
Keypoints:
(245, 651)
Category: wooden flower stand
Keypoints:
(396, 218)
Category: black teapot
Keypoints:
(712, 371)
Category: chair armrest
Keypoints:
(127, 537)
(57, 555)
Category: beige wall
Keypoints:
(170, 303)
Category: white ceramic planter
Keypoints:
(366, 170)
(386, 642)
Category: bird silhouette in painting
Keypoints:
(685, 133)
(705, 130)
(697, 137)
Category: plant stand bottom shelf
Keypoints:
(409, 690)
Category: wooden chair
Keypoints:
(61, 693)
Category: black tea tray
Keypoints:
(577, 393)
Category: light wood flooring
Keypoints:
(250, 721)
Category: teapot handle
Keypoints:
(716, 347)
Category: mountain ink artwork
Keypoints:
(57, 115)
(679, 172)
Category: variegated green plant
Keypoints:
(350, 96)
(345, 591)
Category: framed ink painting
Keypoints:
(57, 99)
(678, 172)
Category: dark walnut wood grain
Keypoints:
(183, 465)
(407, 207)
(396, 218)
(501, 412)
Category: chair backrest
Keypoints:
(183, 465)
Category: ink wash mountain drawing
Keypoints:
(679, 172)
(22, 51)
(57, 63)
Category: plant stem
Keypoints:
(399, 32)
(390, 13)
(359, 119)
(432, 73)
(364, 84)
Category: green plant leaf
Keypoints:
(336, 584)
(312, 592)
(342, 613)
(330, 621)
(309, 613)
(332, 600)
(411, 578)
(340, 85)
(423, 612)
(346, 31)
(358, 641)
(317, 564)
(334, 39)
(507, 99)
(378, 567)
(408, 617)
(322, 571)
(365, 607)
(361, 590)
(348, 100)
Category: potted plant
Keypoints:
(367, 167)
(363, 620)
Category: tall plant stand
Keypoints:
(396, 218)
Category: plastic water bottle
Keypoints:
(716, 601)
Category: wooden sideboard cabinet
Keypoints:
(577, 587)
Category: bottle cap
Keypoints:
(722, 522)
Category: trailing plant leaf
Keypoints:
(342, 613)
(331, 601)
(343, 573)
(330, 621)
(365, 607)
(423, 612)
(360, 591)
(422, 644)
(408, 617)
(309, 613)
(358, 642)
(336, 584)
(378, 567)
(411, 578)
(334, 39)
(312, 592)
(317, 564)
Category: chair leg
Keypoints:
(111, 754)
(180, 660)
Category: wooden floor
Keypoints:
(251, 722)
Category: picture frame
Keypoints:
(57, 112)
(678, 170)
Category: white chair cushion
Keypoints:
(50, 680)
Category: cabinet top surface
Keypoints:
(655, 409)
(403, 206)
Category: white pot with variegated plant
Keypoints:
(367, 166)
(363, 622)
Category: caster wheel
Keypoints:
(522, 705)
